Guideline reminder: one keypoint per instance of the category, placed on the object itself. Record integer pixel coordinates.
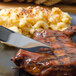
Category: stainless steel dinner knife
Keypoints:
(17, 40)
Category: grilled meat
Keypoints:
(60, 60)
(51, 2)
(45, 2)
(40, 1)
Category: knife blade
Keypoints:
(17, 40)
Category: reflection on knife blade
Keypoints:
(14, 39)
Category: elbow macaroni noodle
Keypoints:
(40, 24)
(27, 20)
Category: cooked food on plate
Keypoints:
(27, 20)
(58, 61)
(49, 26)
(44, 2)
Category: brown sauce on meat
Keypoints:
(59, 61)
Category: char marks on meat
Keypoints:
(58, 61)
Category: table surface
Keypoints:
(64, 7)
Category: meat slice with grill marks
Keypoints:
(58, 61)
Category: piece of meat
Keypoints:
(51, 2)
(58, 61)
(40, 1)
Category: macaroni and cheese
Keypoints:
(27, 20)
